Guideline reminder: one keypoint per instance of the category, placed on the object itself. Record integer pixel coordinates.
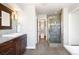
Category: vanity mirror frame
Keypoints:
(9, 11)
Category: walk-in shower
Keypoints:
(54, 29)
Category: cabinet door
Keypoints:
(18, 46)
(11, 51)
(23, 44)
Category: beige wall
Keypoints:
(29, 25)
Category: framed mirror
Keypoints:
(5, 17)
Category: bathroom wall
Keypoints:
(70, 25)
(74, 28)
(65, 25)
(14, 26)
(29, 25)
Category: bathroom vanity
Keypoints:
(13, 45)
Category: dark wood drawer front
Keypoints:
(9, 51)
(15, 46)
(8, 47)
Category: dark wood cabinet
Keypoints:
(15, 46)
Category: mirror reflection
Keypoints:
(5, 18)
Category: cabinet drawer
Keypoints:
(8, 48)
(9, 51)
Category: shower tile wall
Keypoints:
(54, 29)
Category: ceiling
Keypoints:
(51, 8)
(47, 8)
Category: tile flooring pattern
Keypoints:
(44, 49)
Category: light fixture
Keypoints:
(15, 15)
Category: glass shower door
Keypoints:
(54, 29)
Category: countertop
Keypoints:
(7, 37)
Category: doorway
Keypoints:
(42, 28)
